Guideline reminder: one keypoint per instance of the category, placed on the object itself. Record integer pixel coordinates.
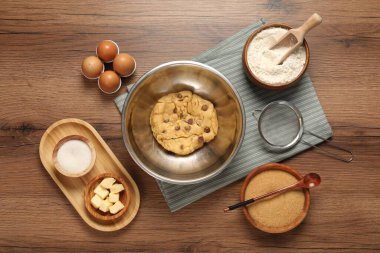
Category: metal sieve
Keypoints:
(281, 127)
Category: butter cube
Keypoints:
(116, 188)
(105, 205)
(96, 201)
(116, 207)
(101, 192)
(113, 197)
(108, 182)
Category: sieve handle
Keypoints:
(332, 144)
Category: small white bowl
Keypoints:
(59, 145)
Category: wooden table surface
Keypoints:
(42, 44)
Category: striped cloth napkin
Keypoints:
(227, 58)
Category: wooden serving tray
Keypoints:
(74, 188)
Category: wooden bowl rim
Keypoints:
(282, 167)
(68, 138)
(261, 83)
(88, 195)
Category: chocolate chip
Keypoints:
(207, 129)
(190, 121)
(163, 131)
(200, 139)
(177, 128)
(181, 147)
(204, 107)
(181, 115)
(166, 120)
(175, 110)
(179, 95)
(187, 128)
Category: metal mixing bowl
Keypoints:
(204, 163)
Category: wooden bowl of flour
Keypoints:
(261, 83)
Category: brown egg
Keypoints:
(109, 82)
(92, 67)
(124, 64)
(107, 50)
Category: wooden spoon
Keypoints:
(310, 180)
(297, 35)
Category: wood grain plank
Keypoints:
(41, 46)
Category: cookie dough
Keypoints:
(183, 122)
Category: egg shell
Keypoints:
(107, 50)
(109, 82)
(92, 67)
(124, 64)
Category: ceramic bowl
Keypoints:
(254, 79)
(260, 226)
(62, 170)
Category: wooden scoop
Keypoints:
(297, 35)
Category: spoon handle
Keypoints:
(310, 23)
(285, 189)
(244, 203)
(250, 201)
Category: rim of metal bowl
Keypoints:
(132, 152)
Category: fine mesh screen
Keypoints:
(279, 124)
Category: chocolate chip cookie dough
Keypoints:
(183, 122)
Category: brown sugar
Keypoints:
(280, 210)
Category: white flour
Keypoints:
(263, 62)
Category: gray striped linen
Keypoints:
(227, 58)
